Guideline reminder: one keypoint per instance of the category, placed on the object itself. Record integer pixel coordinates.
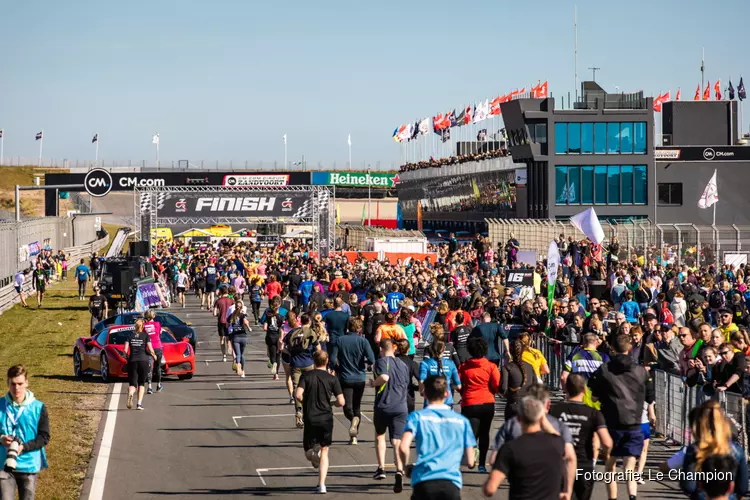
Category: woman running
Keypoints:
(238, 328)
(153, 328)
(410, 328)
(200, 285)
(256, 296)
(272, 326)
(480, 381)
(437, 364)
(138, 349)
(516, 377)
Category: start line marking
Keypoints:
(353, 466)
(239, 417)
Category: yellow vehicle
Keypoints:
(220, 230)
(161, 233)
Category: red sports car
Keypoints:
(104, 355)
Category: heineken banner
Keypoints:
(240, 204)
(355, 179)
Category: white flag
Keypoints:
(284, 138)
(349, 140)
(710, 194)
(155, 140)
(481, 110)
(588, 223)
(424, 126)
(553, 263)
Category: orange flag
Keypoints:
(697, 93)
(707, 92)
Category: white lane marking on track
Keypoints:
(352, 466)
(239, 417)
(219, 384)
(105, 447)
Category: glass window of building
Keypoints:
(670, 193)
(600, 138)
(626, 180)
(600, 184)
(613, 184)
(587, 185)
(561, 185)
(587, 138)
(574, 185)
(541, 133)
(561, 138)
(640, 184)
(626, 138)
(640, 137)
(574, 138)
(613, 137)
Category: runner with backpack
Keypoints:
(302, 343)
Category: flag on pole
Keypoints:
(710, 194)
(697, 93)
(155, 140)
(679, 93)
(349, 140)
(424, 126)
(707, 92)
(95, 138)
(588, 223)
(39, 135)
(553, 264)
(1, 133)
(731, 90)
(717, 90)
(284, 138)
(338, 214)
(741, 93)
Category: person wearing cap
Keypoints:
(726, 323)
(338, 277)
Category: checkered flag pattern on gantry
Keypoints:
(145, 202)
(305, 210)
(161, 198)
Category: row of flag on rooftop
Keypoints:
(741, 93)
(442, 123)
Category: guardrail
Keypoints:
(8, 295)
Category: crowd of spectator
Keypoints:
(454, 160)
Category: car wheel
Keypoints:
(77, 364)
(186, 376)
(104, 369)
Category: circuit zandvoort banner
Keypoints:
(241, 204)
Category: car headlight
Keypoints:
(187, 351)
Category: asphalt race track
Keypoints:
(219, 435)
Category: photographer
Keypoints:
(24, 432)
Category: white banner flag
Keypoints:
(710, 194)
(155, 140)
(588, 223)
(553, 263)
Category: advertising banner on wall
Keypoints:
(355, 179)
(240, 204)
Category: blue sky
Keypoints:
(224, 80)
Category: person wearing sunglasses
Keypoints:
(726, 324)
(731, 370)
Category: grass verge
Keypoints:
(42, 340)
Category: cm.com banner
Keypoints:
(355, 179)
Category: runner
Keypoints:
(18, 281)
(291, 323)
(153, 328)
(272, 326)
(302, 343)
(349, 356)
(211, 275)
(39, 283)
(98, 306)
(256, 297)
(181, 282)
(138, 349)
(316, 387)
(443, 438)
(392, 384)
(238, 328)
(221, 310)
(82, 276)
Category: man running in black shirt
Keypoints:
(584, 422)
(39, 283)
(97, 306)
(532, 463)
(314, 392)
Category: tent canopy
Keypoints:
(193, 232)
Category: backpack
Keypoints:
(665, 315)
(716, 299)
